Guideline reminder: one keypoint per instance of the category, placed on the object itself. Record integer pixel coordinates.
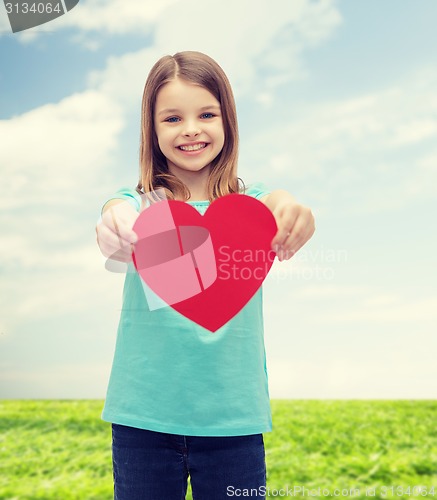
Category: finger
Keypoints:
(127, 234)
(285, 225)
(106, 234)
(109, 242)
(300, 232)
(122, 229)
(119, 224)
(281, 235)
(114, 222)
(110, 252)
(293, 245)
(122, 255)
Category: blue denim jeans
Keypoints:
(151, 465)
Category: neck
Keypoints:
(196, 182)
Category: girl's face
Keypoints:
(189, 127)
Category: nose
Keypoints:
(192, 129)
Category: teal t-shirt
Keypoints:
(171, 375)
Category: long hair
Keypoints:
(198, 68)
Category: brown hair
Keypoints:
(198, 68)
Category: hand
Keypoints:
(295, 223)
(295, 227)
(114, 233)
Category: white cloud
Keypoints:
(275, 35)
(352, 377)
(257, 44)
(42, 283)
(5, 27)
(428, 162)
(246, 52)
(244, 37)
(55, 165)
(123, 78)
(54, 152)
(100, 17)
(56, 381)
(415, 131)
(343, 303)
(379, 311)
(116, 16)
(375, 151)
(335, 291)
(349, 341)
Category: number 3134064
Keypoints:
(34, 8)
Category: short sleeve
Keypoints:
(257, 190)
(130, 195)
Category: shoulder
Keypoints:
(257, 189)
(130, 195)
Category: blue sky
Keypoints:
(337, 103)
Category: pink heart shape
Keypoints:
(206, 267)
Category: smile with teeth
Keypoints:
(194, 147)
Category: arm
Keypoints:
(295, 223)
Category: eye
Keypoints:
(207, 115)
(172, 119)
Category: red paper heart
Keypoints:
(224, 254)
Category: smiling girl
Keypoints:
(183, 402)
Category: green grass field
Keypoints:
(61, 450)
